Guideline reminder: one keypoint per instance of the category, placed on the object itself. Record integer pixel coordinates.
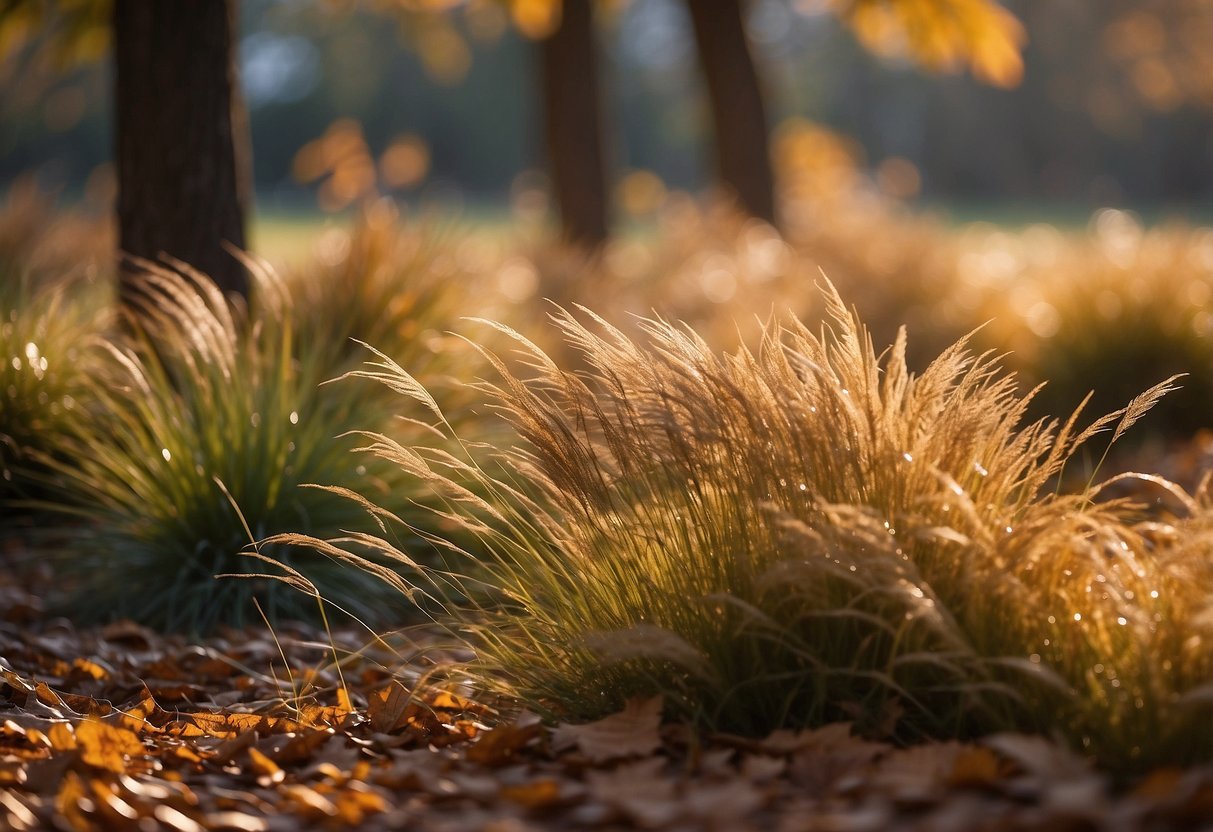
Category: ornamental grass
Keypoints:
(809, 532)
(209, 423)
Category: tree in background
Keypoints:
(938, 34)
(180, 136)
(739, 118)
(573, 132)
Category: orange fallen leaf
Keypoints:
(61, 737)
(90, 669)
(266, 769)
(48, 697)
(309, 801)
(502, 744)
(106, 746)
(539, 794)
(227, 725)
(354, 805)
(447, 701)
(70, 800)
(977, 767)
(136, 718)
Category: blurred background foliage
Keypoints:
(437, 100)
(1073, 129)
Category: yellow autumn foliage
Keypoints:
(942, 34)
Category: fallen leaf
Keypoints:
(1038, 756)
(107, 747)
(301, 747)
(386, 707)
(639, 791)
(538, 794)
(267, 771)
(502, 744)
(61, 737)
(634, 732)
(977, 767)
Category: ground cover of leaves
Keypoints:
(119, 728)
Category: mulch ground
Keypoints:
(118, 728)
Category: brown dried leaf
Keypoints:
(502, 744)
(634, 732)
(386, 708)
(1040, 757)
(302, 747)
(639, 791)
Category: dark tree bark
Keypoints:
(180, 135)
(738, 115)
(573, 125)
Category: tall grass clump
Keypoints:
(48, 338)
(208, 425)
(1111, 309)
(54, 305)
(382, 284)
(807, 532)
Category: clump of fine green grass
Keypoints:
(54, 305)
(48, 337)
(809, 532)
(207, 426)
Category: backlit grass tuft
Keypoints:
(49, 335)
(809, 532)
(209, 428)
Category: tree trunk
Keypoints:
(738, 115)
(180, 135)
(573, 125)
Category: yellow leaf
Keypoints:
(942, 34)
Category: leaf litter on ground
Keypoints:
(119, 727)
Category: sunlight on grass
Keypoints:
(209, 423)
(807, 533)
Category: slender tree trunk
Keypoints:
(738, 115)
(573, 125)
(180, 135)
